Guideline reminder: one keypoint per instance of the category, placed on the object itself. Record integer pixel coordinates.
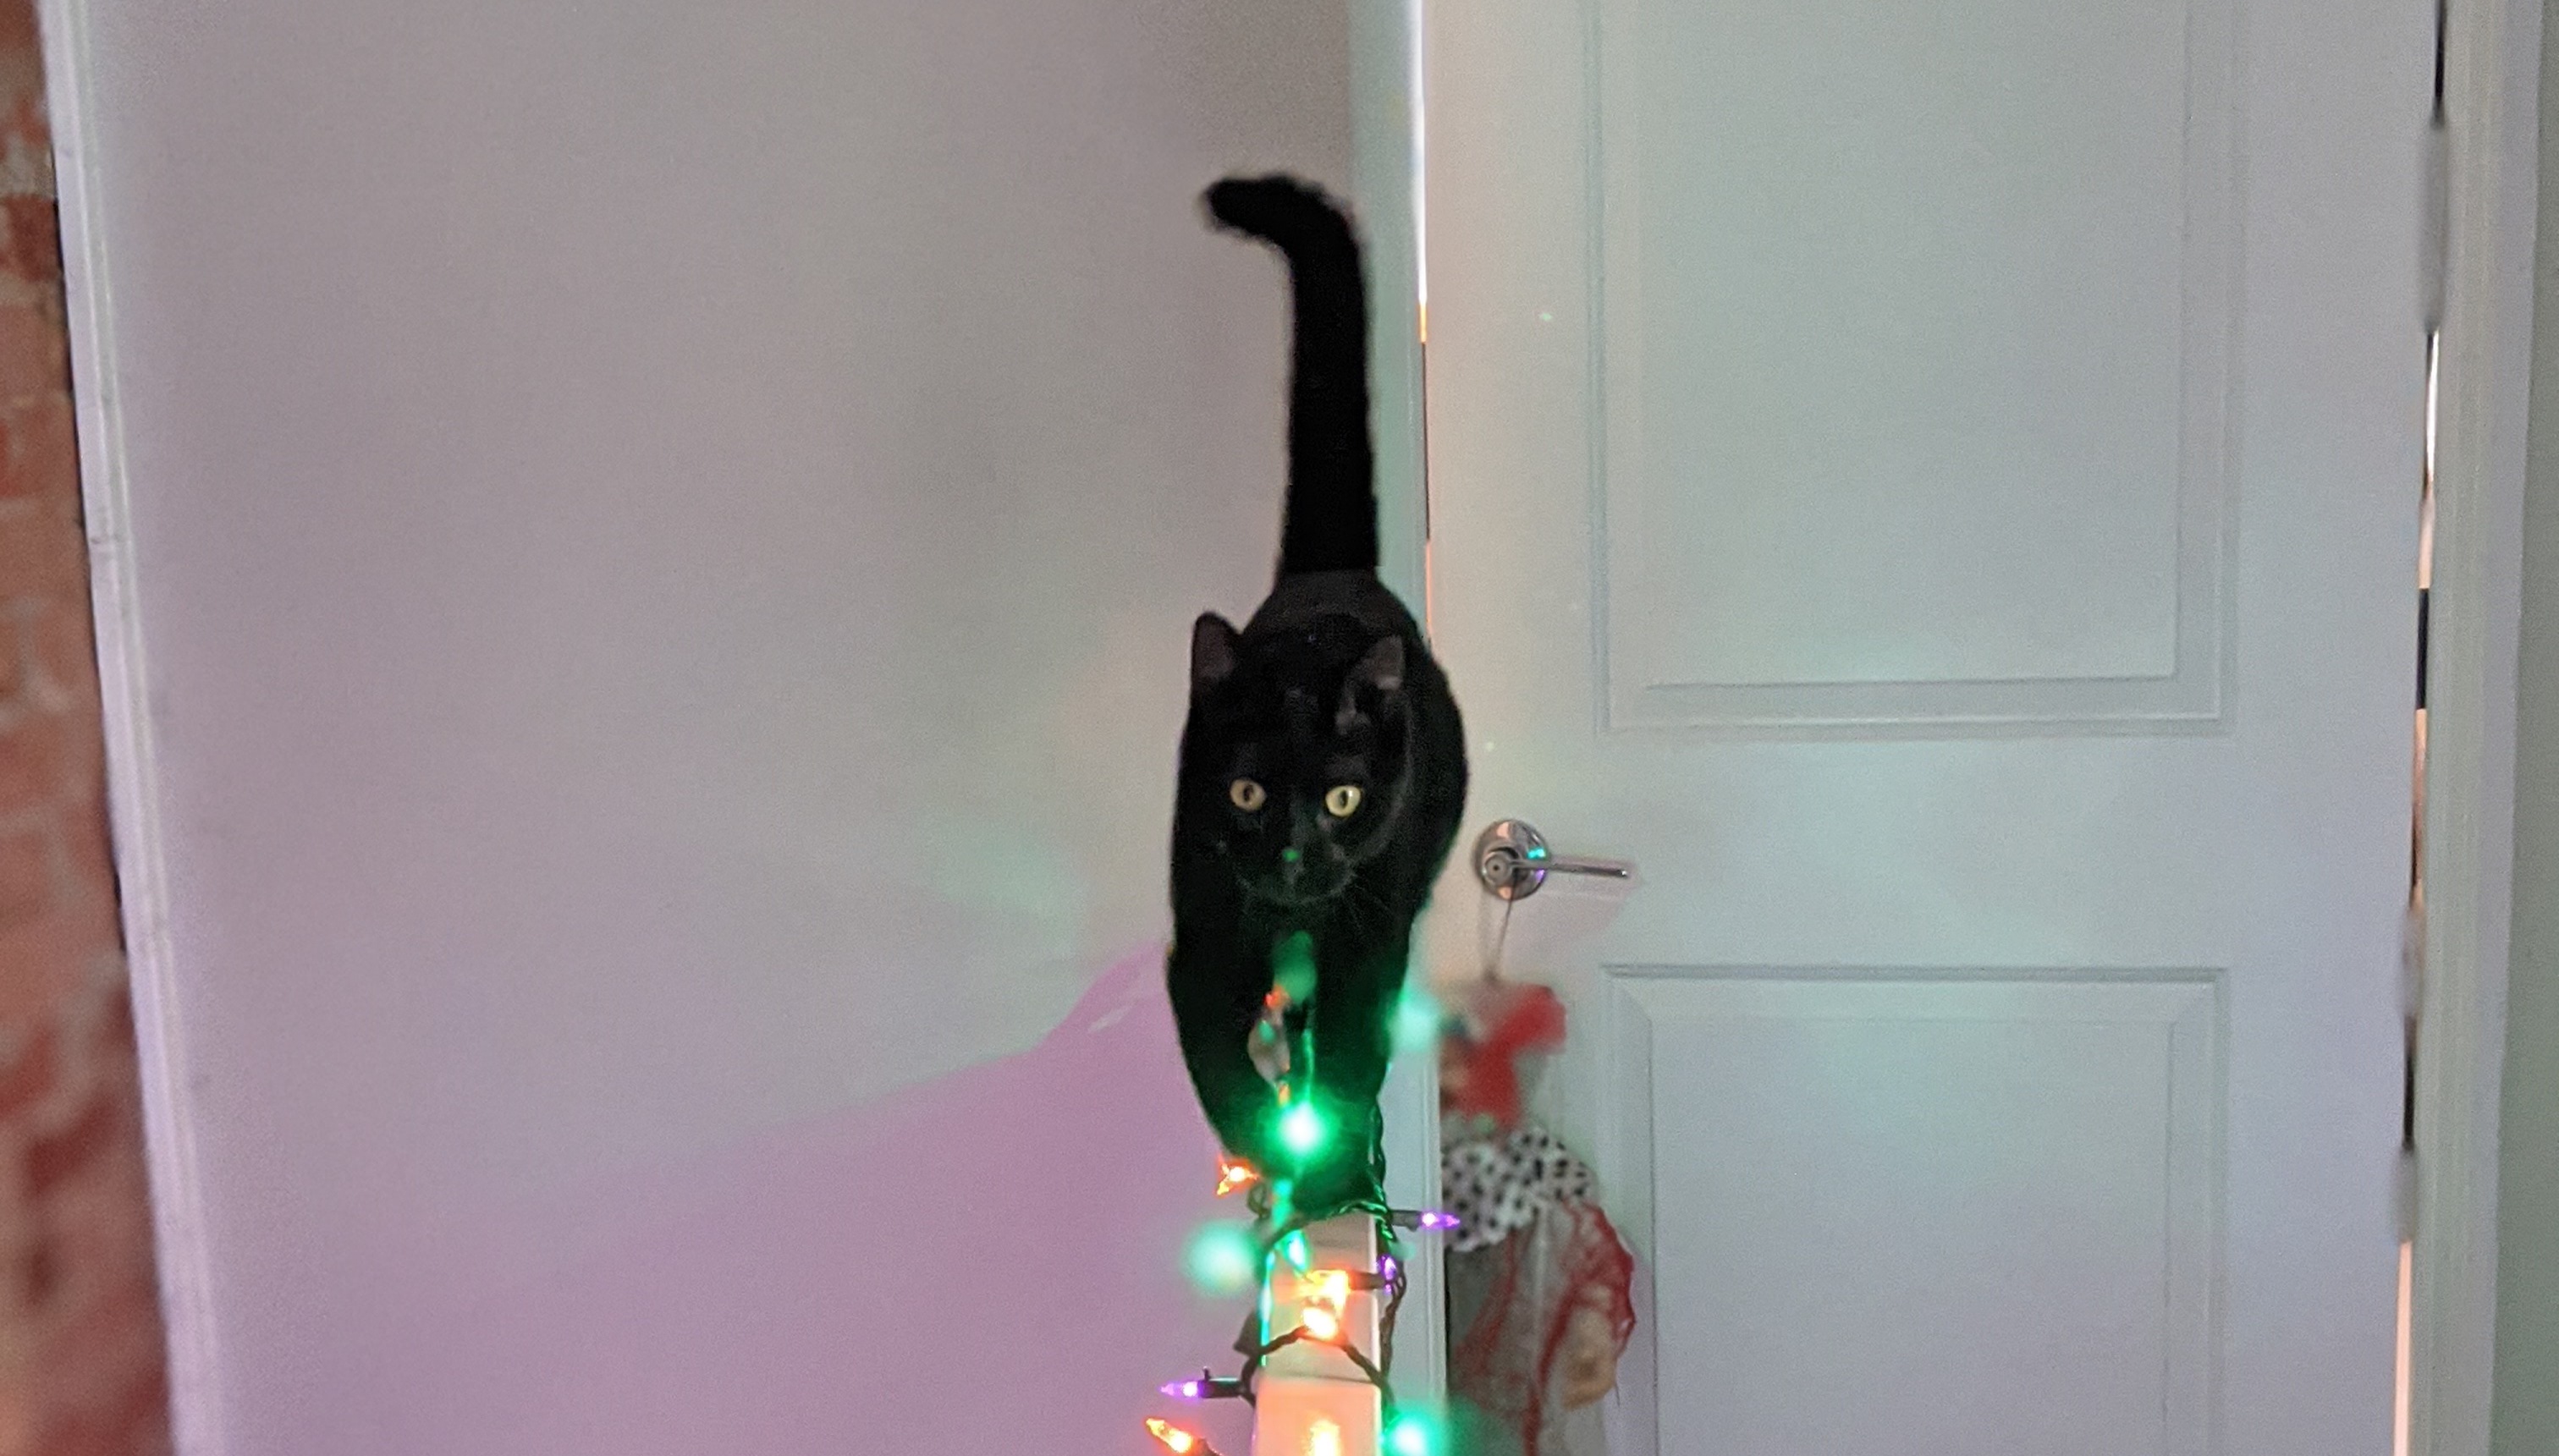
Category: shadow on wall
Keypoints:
(986, 1263)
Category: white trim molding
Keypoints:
(1385, 186)
(133, 800)
(2491, 81)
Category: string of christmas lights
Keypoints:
(1319, 1322)
(1322, 1295)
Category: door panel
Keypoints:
(1935, 487)
(1906, 1167)
(1956, 274)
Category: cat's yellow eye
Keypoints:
(1343, 800)
(1247, 796)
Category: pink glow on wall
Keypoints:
(991, 1261)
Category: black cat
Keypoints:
(1323, 766)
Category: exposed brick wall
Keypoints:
(81, 1366)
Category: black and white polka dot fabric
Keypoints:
(1497, 1186)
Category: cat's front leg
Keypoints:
(1358, 979)
(1217, 984)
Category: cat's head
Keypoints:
(1297, 754)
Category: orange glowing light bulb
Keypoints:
(1234, 1173)
(1322, 1323)
(1323, 1438)
(1327, 1287)
(1176, 1440)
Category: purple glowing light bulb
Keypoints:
(1438, 1222)
(1205, 1387)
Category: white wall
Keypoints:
(2527, 1416)
(665, 535)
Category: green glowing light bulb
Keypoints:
(1416, 1022)
(1292, 967)
(1303, 1129)
(1223, 1259)
(1411, 1435)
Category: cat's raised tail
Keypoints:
(1331, 518)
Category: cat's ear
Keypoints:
(1212, 651)
(1383, 667)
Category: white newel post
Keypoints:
(1313, 1400)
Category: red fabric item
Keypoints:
(1479, 1063)
(1525, 1295)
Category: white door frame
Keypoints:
(2491, 89)
(2492, 65)
(182, 1254)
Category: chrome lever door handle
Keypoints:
(1512, 861)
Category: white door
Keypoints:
(1935, 487)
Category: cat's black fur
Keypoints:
(1328, 684)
